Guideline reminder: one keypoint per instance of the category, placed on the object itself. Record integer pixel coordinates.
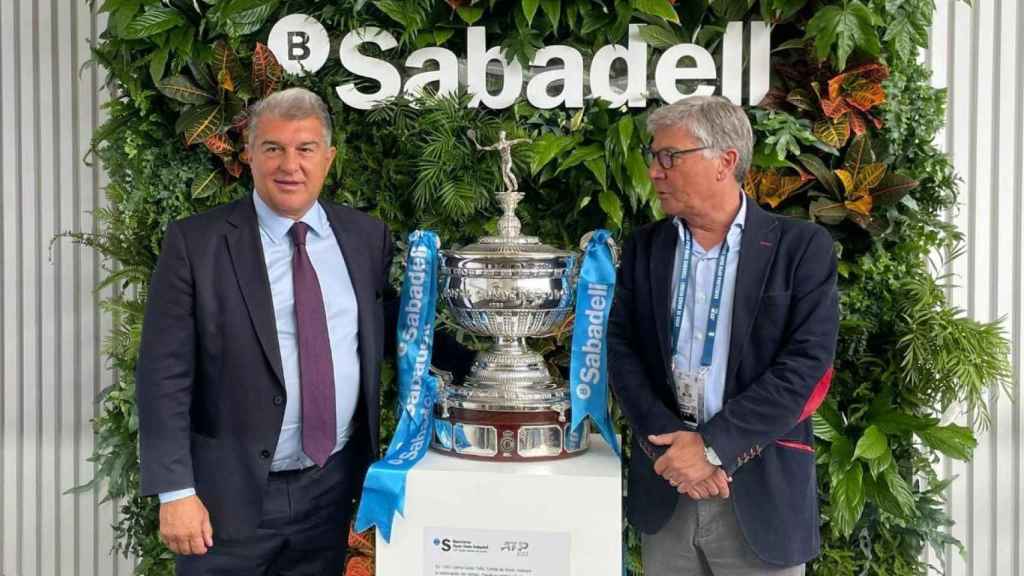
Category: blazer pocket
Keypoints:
(795, 445)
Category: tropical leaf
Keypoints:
(870, 175)
(847, 179)
(955, 441)
(848, 500)
(579, 155)
(848, 27)
(892, 188)
(771, 187)
(828, 211)
(219, 144)
(249, 21)
(470, 14)
(801, 99)
(206, 184)
(659, 8)
(598, 168)
(553, 10)
(815, 166)
(612, 206)
(152, 22)
(866, 95)
(861, 204)
(546, 148)
(228, 69)
(181, 88)
(872, 444)
(529, 9)
(660, 37)
(201, 122)
(859, 154)
(832, 132)
(266, 71)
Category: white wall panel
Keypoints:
(52, 328)
(977, 55)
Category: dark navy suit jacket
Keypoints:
(209, 383)
(784, 330)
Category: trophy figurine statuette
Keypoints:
(508, 287)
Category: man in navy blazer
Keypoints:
(258, 375)
(721, 342)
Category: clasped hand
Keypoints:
(686, 467)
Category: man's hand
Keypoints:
(185, 526)
(684, 463)
(715, 485)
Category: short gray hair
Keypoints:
(714, 122)
(290, 104)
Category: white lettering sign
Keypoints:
(557, 75)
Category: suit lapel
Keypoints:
(246, 250)
(360, 272)
(758, 247)
(663, 253)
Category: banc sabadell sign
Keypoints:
(557, 75)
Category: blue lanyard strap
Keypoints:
(683, 264)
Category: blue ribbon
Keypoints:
(588, 368)
(384, 488)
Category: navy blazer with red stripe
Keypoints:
(784, 329)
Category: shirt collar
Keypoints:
(735, 233)
(277, 226)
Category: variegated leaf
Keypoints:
(801, 99)
(206, 184)
(179, 87)
(865, 95)
(847, 179)
(828, 212)
(825, 130)
(227, 69)
(857, 124)
(834, 108)
(862, 205)
(858, 155)
(870, 175)
(219, 144)
(266, 70)
(202, 122)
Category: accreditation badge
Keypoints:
(689, 395)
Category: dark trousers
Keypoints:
(304, 529)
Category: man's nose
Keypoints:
(290, 161)
(655, 171)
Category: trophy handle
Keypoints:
(611, 245)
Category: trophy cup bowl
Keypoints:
(510, 406)
(508, 287)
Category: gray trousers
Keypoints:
(705, 540)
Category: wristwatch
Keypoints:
(712, 457)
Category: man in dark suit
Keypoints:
(258, 375)
(721, 341)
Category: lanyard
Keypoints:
(683, 264)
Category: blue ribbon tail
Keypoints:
(383, 496)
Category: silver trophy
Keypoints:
(509, 287)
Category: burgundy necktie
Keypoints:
(316, 370)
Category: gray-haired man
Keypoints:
(721, 340)
(258, 376)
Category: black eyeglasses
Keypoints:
(666, 156)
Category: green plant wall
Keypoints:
(844, 138)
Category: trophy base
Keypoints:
(507, 436)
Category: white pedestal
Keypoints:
(574, 503)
